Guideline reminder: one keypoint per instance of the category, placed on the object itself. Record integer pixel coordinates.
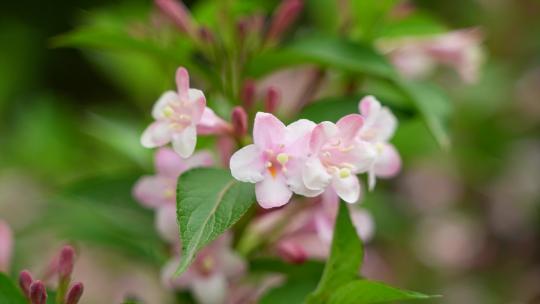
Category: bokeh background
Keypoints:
(462, 222)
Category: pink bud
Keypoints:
(25, 280)
(272, 100)
(206, 35)
(74, 293)
(65, 263)
(248, 94)
(292, 252)
(239, 121)
(177, 12)
(285, 15)
(6, 246)
(38, 293)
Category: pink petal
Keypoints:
(349, 126)
(168, 163)
(314, 175)
(363, 222)
(232, 264)
(184, 142)
(197, 103)
(167, 98)
(199, 159)
(246, 164)
(210, 290)
(298, 136)
(6, 246)
(171, 281)
(272, 192)
(367, 104)
(182, 83)
(348, 189)
(166, 223)
(211, 124)
(268, 131)
(155, 191)
(388, 163)
(321, 134)
(156, 135)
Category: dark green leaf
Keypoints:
(345, 258)
(364, 292)
(325, 51)
(414, 25)
(9, 292)
(209, 201)
(330, 109)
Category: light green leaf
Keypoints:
(325, 51)
(345, 258)
(209, 201)
(417, 24)
(364, 292)
(9, 293)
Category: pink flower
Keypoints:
(273, 162)
(210, 275)
(335, 159)
(177, 115)
(415, 56)
(379, 126)
(6, 246)
(159, 191)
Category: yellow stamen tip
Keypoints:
(168, 112)
(282, 158)
(344, 172)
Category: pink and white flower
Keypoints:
(211, 274)
(176, 117)
(159, 191)
(335, 159)
(274, 161)
(379, 126)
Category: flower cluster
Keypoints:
(307, 158)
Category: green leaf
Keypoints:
(330, 109)
(417, 24)
(209, 201)
(433, 105)
(9, 292)
(364, 291)
(345, 258)
(326, 51)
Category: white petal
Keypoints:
(164, 100)
(156, 135)
(272, 192)
(166, 223)
(363, 222)
(246, 164)
(184, 142)
(210, 290)
(348, 189)
(388, 163)
(314, 175)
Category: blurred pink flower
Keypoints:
(335, 159)
(379, 126)
(177, 115)
(6, 246)
(274, 159)
(417, 56)
(212, 273)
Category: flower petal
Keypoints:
(167, 98)
(210, 290)
(363, 222)
(268, 131)
(168, 163)
(197, 104)
(155, 191)
(388, 163)
(185, 141)
(182, 83)
(298, 136)
(210, 123)
(314, 175)
(295, 179)
(272, 192)
(166, 223)
(321, 134)
(348, 188)
(246, 164)
(200, 159)
(156, 135)
(349, 126)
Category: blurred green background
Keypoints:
(464, 222)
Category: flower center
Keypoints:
(276, 163)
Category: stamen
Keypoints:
(282, 158)
(268, 164)
(168, 111)
(344, 172)
(380, 147)
(347, 149)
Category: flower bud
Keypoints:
(239, 121)
(25, 280)
(248, 94)
(272, 100)
(177, 13)
(6, 246)
(74, 293)
(285, 15)
(206, 35)
(65, 263)
(292, 252)
(38, 293)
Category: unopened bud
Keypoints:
(177, 13)
(38, 293)
(25, 280)
(65, 263)
(248, 94)
(272, 100)
(239, 121)
(206, 35)
(6, 246)
(284, 16)
(292, 252)
(74, 294)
